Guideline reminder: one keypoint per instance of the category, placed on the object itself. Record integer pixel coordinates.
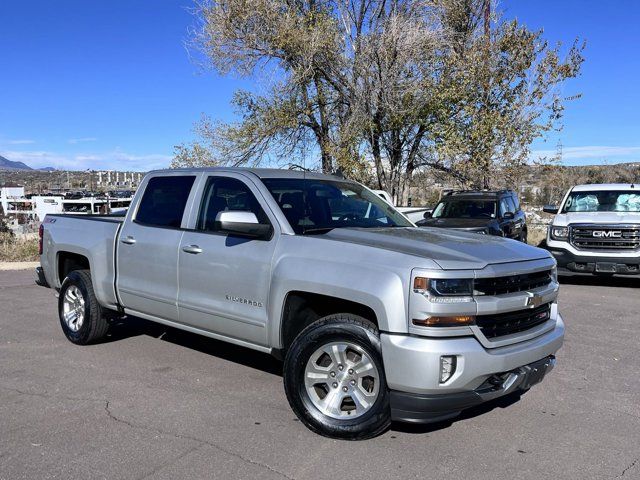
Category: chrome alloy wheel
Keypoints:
(73, 308)
(342, 380)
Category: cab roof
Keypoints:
(259, 172)
(600, 187)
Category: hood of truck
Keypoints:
(461, 223)
(564, 219)
(451, 249)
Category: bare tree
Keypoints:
(381, 88)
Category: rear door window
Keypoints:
(164, 201)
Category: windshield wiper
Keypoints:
(317, 230)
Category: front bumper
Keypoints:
(570, 262)
(424, 408)
(412, 369)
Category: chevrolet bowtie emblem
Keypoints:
(534, 300)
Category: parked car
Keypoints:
(375, 319)
(487, 212)
(412, 213)
(597, 230)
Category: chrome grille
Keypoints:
(605, 237)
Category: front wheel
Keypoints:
(334, 378)
(81, 316)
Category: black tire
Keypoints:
(95, 325)
(336, 328)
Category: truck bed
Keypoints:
(90, 236)
(113, 218)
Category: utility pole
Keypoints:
(559, 151)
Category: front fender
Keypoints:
(382, 290)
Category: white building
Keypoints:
(8, 193)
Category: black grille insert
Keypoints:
(500, 324)
(514, 283)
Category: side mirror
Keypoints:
(508, 215)
(427, 215)
(552, 209)
(242, 223)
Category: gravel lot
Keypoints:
(159, 403)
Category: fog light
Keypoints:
(447, 367)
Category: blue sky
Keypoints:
(109, 84)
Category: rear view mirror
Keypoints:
(242, 223)
(552, 209)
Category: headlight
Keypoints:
(444, 290)
(559, 233)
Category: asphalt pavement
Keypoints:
(155, 402)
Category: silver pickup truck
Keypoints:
(376, 320)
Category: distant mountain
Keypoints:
(6, 164)
(48, 169)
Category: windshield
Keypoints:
(465, 209)
(319, 205)
(605, 201)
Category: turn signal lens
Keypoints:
(420, 284)
(459, 321)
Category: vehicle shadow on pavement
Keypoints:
(600, 281)
(133, 327)
(482, 409)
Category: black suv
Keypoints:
(487, 212)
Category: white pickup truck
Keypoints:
(375, 318)
(596, 230)
(414, 214)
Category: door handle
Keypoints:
(129, 240)
(195, 249)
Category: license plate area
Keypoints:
(605, 267)
(535, 372)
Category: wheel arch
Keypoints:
(68, 261)
(302, 308)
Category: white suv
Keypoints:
(597, 230)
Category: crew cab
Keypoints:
(375, 319)
(480, 211)
(596, 230)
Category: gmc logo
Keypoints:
(607, 234)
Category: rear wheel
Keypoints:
(334, 378)
(81, 317)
